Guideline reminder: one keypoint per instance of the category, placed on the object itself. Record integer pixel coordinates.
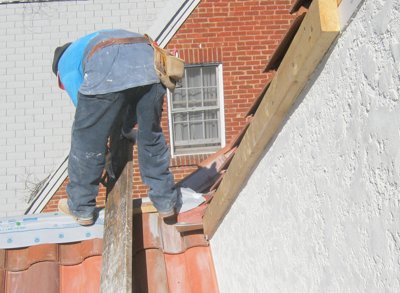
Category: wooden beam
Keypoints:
(318, 30)
(116, 274)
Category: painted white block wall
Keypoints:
(321, 212)
(35, 115)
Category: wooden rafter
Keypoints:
(317, 32)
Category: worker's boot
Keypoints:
(64, 208)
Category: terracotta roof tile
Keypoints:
(22, 258)
(191, 272)
(77, 252)
(52, 268)
(82, 277)
(151, 232)
(40, 277)
(149, 272)
(167, 261)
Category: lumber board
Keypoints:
(317, 32)
(116, 274)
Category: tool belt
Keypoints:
(115, 41)
(169, 68)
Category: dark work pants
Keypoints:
(94, 119)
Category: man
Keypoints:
(109, 74)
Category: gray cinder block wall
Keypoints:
(35, 116)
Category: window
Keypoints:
(196, 111)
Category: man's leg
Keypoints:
(130, 120)
(154, 156)
(94, 119)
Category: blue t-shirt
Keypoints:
(111, 69)
(70, 66)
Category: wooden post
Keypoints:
(116, 274)
(317, 32)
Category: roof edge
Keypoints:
(49, 188)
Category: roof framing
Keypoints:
(317, 32)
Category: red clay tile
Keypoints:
(76, 252)
(149, 272)
(192, 271)
(2, 280)
(201, 267)
(193, 216)
(145, 232)
(165, 260)
(219, 155)
(178, 276)
(20, 259)
(150, 232)
(229, 157)
(40, 277)
(81, 278)
(38, 268)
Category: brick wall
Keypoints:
(239, 34)
(36, 116)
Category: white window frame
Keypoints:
(220, 88)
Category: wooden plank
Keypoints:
(319, 29)
(116, 274)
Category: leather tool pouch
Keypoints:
(169, 68)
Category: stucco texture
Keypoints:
(321, 211)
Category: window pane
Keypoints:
(194, 97)
(211, 115)
(196, 130)
(209, 76)
(179, 117)
(196, 116)
(179, 99)
(181, 130)
(183, 81)
(211, 129)
(194, 77)
(210, 97)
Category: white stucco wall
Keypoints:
(321, 212)
(35, 115)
